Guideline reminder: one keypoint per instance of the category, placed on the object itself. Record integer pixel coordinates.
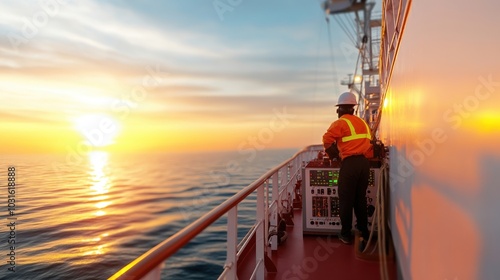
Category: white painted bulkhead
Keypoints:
(441, 119)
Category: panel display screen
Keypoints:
(323, 178)
(334, 207)
(371, 179)
(319, 206)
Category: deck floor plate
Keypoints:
(318, 257)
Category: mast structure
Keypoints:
(363, 28)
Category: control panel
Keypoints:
(320, 209)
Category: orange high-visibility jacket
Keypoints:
(351, 134)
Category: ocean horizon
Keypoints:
(87, 218)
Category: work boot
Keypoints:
(345, 239)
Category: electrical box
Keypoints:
(320, 209)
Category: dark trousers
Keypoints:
(353, 182)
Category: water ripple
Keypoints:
(86, 221)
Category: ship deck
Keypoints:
(318, 257)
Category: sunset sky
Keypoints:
(136, 76)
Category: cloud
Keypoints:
(183, 107)
(90, 53)
(30, 117)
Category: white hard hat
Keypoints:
(347, 98)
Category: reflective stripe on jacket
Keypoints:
(351, 134)
(355, 135)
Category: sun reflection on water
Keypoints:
(100, 179)
(99, 248)
(98, 162)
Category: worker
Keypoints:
(352, 137)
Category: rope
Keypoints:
(379, 219)
(344, 28)
(384, 273)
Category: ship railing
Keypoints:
(149, 265)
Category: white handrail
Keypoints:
(155, 257)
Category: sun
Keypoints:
(98, 130)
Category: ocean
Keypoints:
(86, 216)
